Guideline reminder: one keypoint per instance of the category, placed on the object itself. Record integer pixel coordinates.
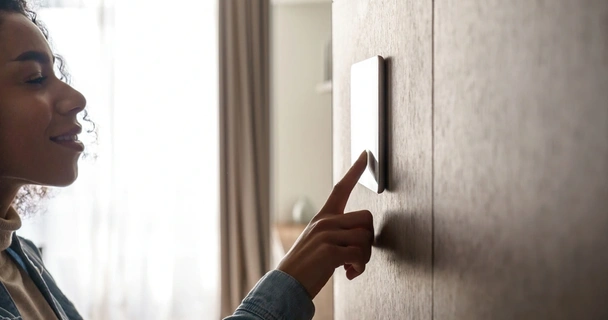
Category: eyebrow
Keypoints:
(37, 56)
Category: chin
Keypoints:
(66, 181)
(63, 179)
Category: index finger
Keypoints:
(339, 195)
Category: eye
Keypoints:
(37, 80)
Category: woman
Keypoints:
(39, 147)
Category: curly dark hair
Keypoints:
(28, 198)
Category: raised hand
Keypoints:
(333, 238)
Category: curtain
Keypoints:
(136, 236)
(244, 147)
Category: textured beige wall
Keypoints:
(301, 117)
(521, 159)
(505, 136)
(397, 281)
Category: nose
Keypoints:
(71, 101)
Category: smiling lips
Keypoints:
(69, 139)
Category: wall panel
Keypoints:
(521, 159)
(397, 282)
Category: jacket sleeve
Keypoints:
(276, 296)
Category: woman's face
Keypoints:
(37, 110)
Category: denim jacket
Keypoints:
(276, 296)
(26, 254)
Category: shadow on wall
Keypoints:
(399, 239)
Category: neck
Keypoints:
(9, 219)
(8, 225)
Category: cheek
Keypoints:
(23, 133)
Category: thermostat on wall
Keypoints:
(368, 120)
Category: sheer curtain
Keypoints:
(136, 237)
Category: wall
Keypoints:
(521, 159)
(497, 206)
(301, 117)
(398, 279)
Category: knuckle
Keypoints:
(359, 235)
(357, 254)
(364, 236)
(314, 226)
(321, 225)
(321, 237)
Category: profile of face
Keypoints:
(38, 124)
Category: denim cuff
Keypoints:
(277, 296)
